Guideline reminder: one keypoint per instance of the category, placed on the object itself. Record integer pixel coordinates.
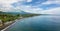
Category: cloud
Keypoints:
(29, 0)
(52, 2)
(51, 11)
(41, 11)
(31, 6)
(5, 5)
(7, 1)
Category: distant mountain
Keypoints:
(22, 12)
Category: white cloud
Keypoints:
(52, 2)
(29, 0)
(31, 9)
(51, 11)
(7, 1)
(5, 5)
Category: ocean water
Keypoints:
(37, 23)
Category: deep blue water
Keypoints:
(37, 23)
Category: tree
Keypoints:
(18, 14)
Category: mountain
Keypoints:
(22, 12)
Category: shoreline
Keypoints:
(13, 22)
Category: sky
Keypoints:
(31, 6)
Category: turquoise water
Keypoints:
(37, 23)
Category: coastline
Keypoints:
(13, 22)
(7, 26)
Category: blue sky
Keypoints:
(31, 6)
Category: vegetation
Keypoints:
(29, 15)
(6, 17)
